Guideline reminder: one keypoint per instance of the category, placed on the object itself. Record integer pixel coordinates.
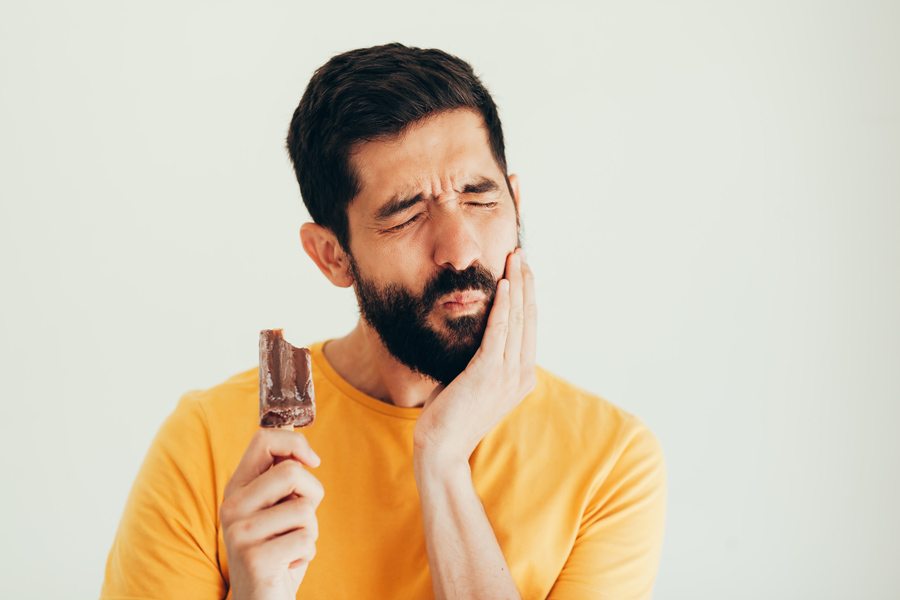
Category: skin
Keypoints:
(452, 226)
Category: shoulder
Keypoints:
(589, 426)
(577, 407)
(223, 402)
(221, 419)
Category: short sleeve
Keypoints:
(166, 546)
(616, 552)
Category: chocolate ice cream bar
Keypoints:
(286, 396)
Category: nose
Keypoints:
(455, 245)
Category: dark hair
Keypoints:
(371, 93)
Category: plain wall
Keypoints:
(711, 199)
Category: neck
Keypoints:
(361, 359)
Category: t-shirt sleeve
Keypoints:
(617, 548)
(166, 547)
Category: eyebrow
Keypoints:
(397, 204)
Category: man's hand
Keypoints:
(497, 379)
(269, 516)
(464, 556)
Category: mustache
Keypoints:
(448, 281)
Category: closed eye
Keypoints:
(405, 224)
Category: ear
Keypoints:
(514, 184)
(323, 248)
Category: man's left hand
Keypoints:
(497, 379)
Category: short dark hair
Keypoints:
(371, 93)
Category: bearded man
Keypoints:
(446, 464)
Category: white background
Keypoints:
(712, 209)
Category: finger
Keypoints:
(299, 544)
(513, 350)
(529, 333)
(268, 444)
(494, 341)
(280, 481)
(291, 549)
(298, 513)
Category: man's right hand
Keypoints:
(268, 516)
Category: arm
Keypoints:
(463, 554)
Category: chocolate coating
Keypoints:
(286, 395)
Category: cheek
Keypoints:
(407, 267)
(499, 245)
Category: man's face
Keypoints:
(430, 232)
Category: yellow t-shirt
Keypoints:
(574, 489)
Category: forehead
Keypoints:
(450, 146)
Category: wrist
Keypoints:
(430, 463)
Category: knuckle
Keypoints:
(313, 529)
(518, 317)
(244, 528)
(304, 509)
(259, 443)
(531, 311)
(310, 552)
(300, 443)
(227, 511)
(259, 439)
(318, 492)
(253, 558)
(294, 469)
(304, 480)
(240, 534)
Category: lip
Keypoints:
(463, 302)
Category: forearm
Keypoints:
(465, 559)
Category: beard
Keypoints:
(400, 319)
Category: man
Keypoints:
(442, 462)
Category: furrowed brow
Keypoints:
(397, 205)
(481, 185)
